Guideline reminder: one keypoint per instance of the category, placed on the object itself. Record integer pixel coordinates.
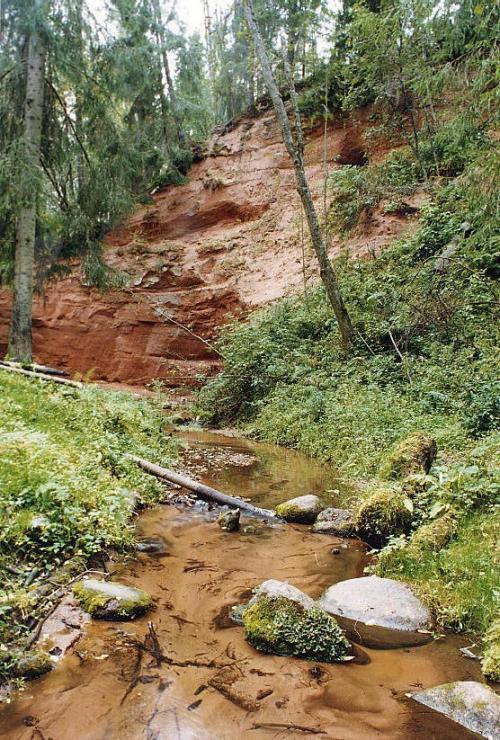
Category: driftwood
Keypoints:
(205, 492)
(42, 376)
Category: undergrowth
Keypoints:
(66, 491)
(425, 358)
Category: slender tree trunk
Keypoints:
(20, 340)
(295, 150)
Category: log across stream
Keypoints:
(213, 685)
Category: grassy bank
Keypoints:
(425, 359)
(66, 492)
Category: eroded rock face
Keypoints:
(469, 703)
(221, 244)
(106, 600)
(335, 521)
(303, 509)
(378, 612)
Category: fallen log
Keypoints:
(41, 376)
(205, 492)
(35, 367)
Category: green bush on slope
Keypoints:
(66, 490)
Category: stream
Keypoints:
(216, 686)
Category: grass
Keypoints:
(66, 491)
(425, 359)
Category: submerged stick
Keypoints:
(41, 376)
(205, 492)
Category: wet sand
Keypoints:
(213, 685)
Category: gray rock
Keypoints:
(151, 545)
(274, 589)
(471, 704)
(303, 509)
(335, 521)
(378, 612)
(229, 520)
(106, 600)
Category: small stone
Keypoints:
(335, 550)
(335, 521)
(151, 546)
(303, 509)
(470, 704)
(378, 612)
(229, 521)
(33, 665)
(114, 601)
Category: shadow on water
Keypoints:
(212, 684)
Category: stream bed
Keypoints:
(215, 685)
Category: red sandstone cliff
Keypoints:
(224, 243)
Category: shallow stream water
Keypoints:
(214, 685)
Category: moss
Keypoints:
(33, 665)
(283, 627)
(384, 514)
(414, 454)
(102, 605)
(491, 652)
(289, 511)
(437, 534)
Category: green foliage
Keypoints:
(491, 652)
(283, 627)
(460, 581)
(385, 513)
(65, 487)
(412, 455)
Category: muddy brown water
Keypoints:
(215, 686)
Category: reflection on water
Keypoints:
(265, 473)
(211, 684)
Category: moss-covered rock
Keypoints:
(413, 454)
(491, 652)
(435, 535)
(229, 520)
(33, 665)
(303, 509)
(103, 600)
(386, 513)
(284, 627)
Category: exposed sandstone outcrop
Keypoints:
(225, 242)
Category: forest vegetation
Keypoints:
(121, 107)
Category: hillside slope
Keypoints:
(226, 242)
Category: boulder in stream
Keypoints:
(229, 520)
(378, 612)
(113, 601)
(282, 620)
(303, 509)
(471, 704)
(33, 664)
(335, 521)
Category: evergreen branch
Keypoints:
(70, 122)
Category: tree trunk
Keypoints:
(20, 340)
(205, 492)
(295, 150)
